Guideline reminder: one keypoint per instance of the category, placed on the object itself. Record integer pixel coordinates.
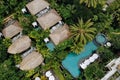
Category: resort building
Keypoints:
(60, 34)
(113, 66)
(31, 61)
(20, 45)
(36, 6)
(12, 29)
(49, 19)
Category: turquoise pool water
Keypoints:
(71, 62)
(50, 46)
(101, 39)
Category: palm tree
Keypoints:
(81, 33)
(92, 3)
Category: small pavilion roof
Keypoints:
(31, 61)
(12, 29)
(60, 34)
(20, 45)
(49, 19)
(36, 6)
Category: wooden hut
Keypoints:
(49, 19)
(20, 45)
(60, 34)
(12, 30)
(31, 61)
(36, 6)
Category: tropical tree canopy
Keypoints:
(92, 3)
(81, 33)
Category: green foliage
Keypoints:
(29, 73)
(103, 22)
(115, 38)
(93, 72)
(81, 33)
(113, 6)
(4, 44)
(9, 72)
(106, 54)
(93, 3)
(17, 59)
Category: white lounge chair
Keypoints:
(24, 10)
(48, 74)
(95, 56)
(37, 78)
(51, 78)
(87, 62)
(34, 24)
(46, 40)
(91, 59)
(83, 66)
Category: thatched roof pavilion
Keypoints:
(60, 34)
(36, 6)
(20, 45)
(49, 19)
(31, 61)
(12, 29)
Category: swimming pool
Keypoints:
(100, 39)
(71, 62)
(50, 46)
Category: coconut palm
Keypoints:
(92, 3)
(81, 33)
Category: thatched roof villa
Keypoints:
(12, 29)
(49, 19)
(31, 61)
(36, 6)
(60, 34)
(20, 45)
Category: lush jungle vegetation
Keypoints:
(85, 19)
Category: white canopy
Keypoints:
(37, 78)
(48, 74)
(108, 44)
(51, 78)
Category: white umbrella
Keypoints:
(83, 66)
(48, 74)
(108, 44)
(87, 62)
(91, 59)
(37, 78)
(51, 78)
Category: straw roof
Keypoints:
(20, 45)
(36, 6)
(60, 34)
(49, 19)
(31, 61)
(118, 67)
(12, 30)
